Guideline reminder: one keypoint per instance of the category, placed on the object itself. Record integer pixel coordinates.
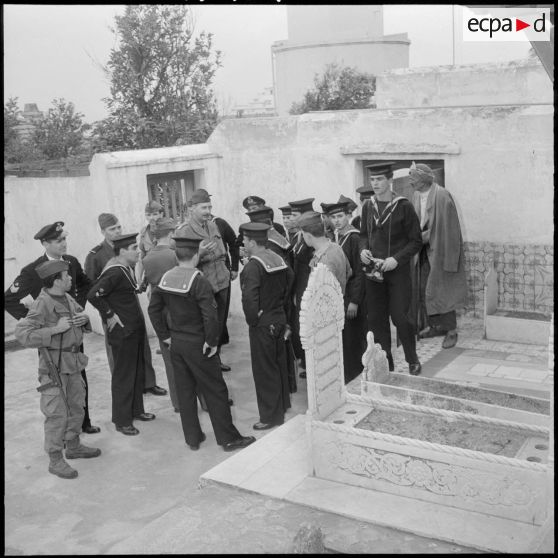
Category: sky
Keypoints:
(56, 51)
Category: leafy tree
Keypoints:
(61, 133)
(338, 89)
(161, 77)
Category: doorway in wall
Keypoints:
(401, 173)
(171, 190)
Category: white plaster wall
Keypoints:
(296, 64)
(518, 81)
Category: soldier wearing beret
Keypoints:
(147, 240)
(325, 251)
(28, 283)
(95, 262)
(114, 294)
(389, 238)
(302, 254)
(193, 333)
(55, 323)
(266, 282)
(354, 332)
(212, 254)
(156, 263)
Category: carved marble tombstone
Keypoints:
(473, 497)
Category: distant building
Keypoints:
(29, 118)
(349, 35)
(261, 105)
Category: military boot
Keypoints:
(59, 467)
(75, 449)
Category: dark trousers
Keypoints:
(354, 344)
(150, 379)
(269, 368)
(222, 298)
(392, 298)
(193, 370)
(128, 376)
(446, 321)
(225, 332)
(86, 420)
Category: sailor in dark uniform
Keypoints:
(265, 282)
(95, 262)
(290, 228)
(253, 202)
(354, 332)
(114, 294)
(302, 254)
(389, 237)
(276, 242)
(365, 192)
(193, 336)
(28, 283)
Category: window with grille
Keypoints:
(171, 190)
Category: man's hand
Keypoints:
(234, 275)
(207, 246)
(167, 342)
(366, 256)
(425, 236)
(352, 310)
(79, 320)
(288, 332)
(62, 325)
(112, 321)
(212, 350)
(389, 264)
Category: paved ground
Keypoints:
(140, 483)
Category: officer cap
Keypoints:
(260, 213)
(375, 169)
(107, 220)
(189, 240)
(51, 232)
(286, 209)
(255, 231)
(309, 218)
(252, 200)
(52, 267)
(200, 196)
(163, 225)
(351, 205)
(329, 208)
(153, 207)
(302, 205)
(124, 240)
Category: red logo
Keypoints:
(519, 25)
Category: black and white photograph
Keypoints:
(278, 278)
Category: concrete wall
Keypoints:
(295, 64)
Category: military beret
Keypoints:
(252, 200)
(376, 169)
(163, 225)
(366, 190)
(52, 267)
(107, 220)
(286, 209)
(329, 208)
(189, 240)
(51, 232)
(309, 218)
(200, 196)
(302, 205)
(153, 207)
(124, 240)
(260, 213)
(351, 205)
(256, 231)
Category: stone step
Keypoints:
(517, 327)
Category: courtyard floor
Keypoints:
(143, 494)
